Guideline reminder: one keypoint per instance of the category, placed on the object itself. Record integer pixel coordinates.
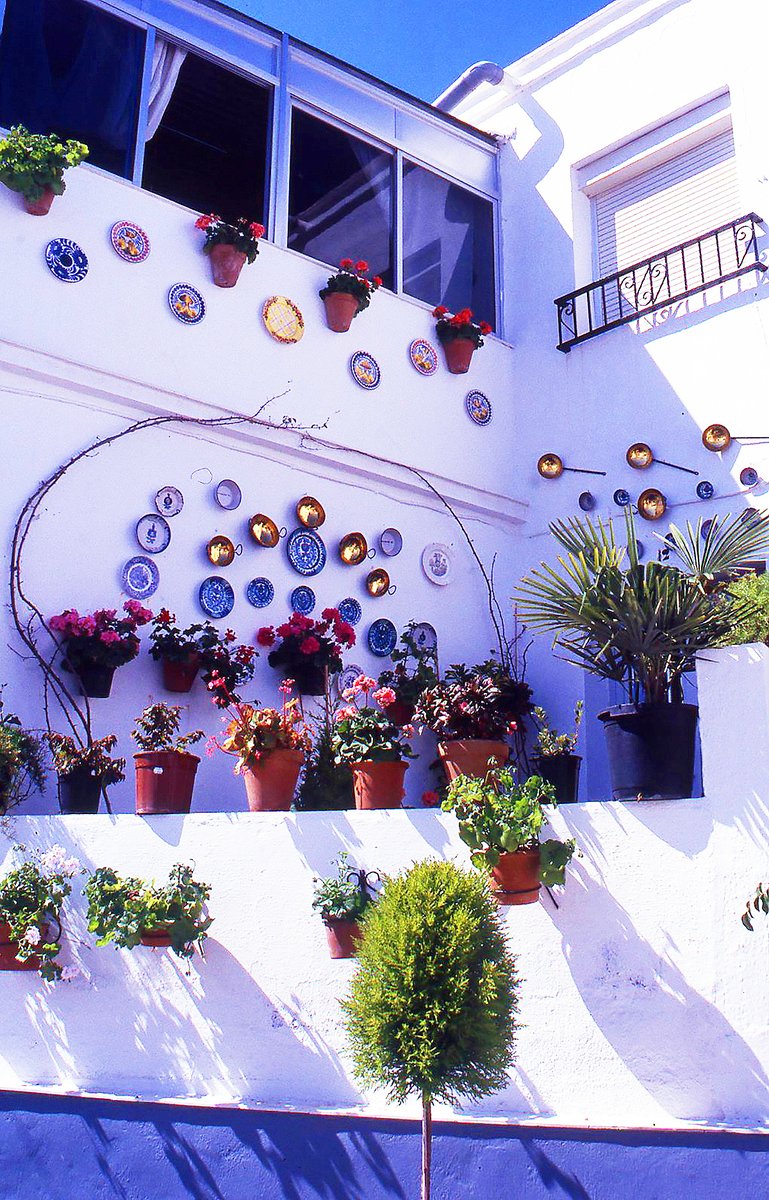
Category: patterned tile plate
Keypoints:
(302, 600)
(169, 501)
(217, 599)
(260, 592)
(424, 356)
(436, 563)
(350, 610)
(425, 636)
(306, 551)
(382, 637)
(365, 370)
(283, 320)
(153, 533)
(478, 407)
(66, 260)
(129, 241)
(186, 303)
(346, 677)
(140, 578)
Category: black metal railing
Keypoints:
(663, 279)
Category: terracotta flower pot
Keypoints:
(226, 264)
(471, 756)
(79, 792)
(400, 713)
(95, 680)
(10, 948)
(458, 353)
(164, 781)
(39, 208)
(515, 879)
(156, 938)
(342, 937)
(378, 784)
(180, 676)
(270, 785)
(341, 307)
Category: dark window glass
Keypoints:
(73, 70)
(448, 244)
(340, 196)
(209, 151)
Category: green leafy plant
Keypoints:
(95, 759)
(474, 702)
(345, 896)
(242, 234)
(550, 744)
(433, 1003)
(364, 733)
(22, 763)
(157, 728)
(351, 279)
(497, 815)
(122, 908)
(325, 784)
(254, 732)
(752, 591)
(415, 670)
(32, 162)
(31, 899)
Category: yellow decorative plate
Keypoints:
(283, 319)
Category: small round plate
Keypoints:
(217, 599)
(260, 592)
(478, 407)
(586, 501)
(622, 497)
(365, 370)
(347, 676)
(391, 542)
(350, 610)
(302, 600)
(153, 533)
(186, 303)
(220, 551)
(169, 501)
(283, 320)
(705, 489)
(436, 563)
(306, 551)
(425, 636)
(227, 494)
(129, 241)
(382, 637)
(748, 476)
(66, 260)
(424, 356)
(140, 578)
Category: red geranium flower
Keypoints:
(377, 281)
(440, 311)
(430, 799)
(361, 265)
(266, 636)
(345, 264)
(310, 645)
(256, 230)
(485, 328)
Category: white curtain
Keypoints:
(167, 61)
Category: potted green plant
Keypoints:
(34, 165)
(752, 625)
(325, 784)
(84, 771)
(555, 760)
(31, 899)
(182, 653)
(459, 335)
(342, 900)
(165, 770)
(374, 749)
(415, 670)
(309, 651)
(641, 625)
(96, 644)
(22, 767)
(500, 820)
(347, 293)
(229, 246)
(130, 912)
(269, 748)
(433, 1003)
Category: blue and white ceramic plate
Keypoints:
(302, 600)
(260, 592)
(424, 356)
(140, 578)
(382, 637)
(186, 303)
(350, 610)
(622, 497)
(129, 241)
(705, 489)
(436, 563)
(425, 636)
(169, 501)
(306, 551)
(153, 533)
(365, 369)
(346, 677)
(216, 597)
(748, 476)
(478, 407)
(66, 260)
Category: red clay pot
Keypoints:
(95, 680)
(341, 307)
(342, 937)
(458, 353)
(270, 785)
(180, 676)
(378, 784)
(226, 264)
(39, 208)
(515, 879)
(470, 756)
(156, 938)
(164, 781)
(10, 948)
(400, 713)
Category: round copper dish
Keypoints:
(310, 512)
(716, 437)
(378, 582)
(652, 504)
(639, 456)
(220, 551)
(353, 548)
(550, 466)
(264, 531)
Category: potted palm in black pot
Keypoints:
(642, 625)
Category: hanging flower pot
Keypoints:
(378, 784)
(42, 206)
(400, 712)
(342, 937)
(180, 676)
(471, 756)
(271, 783)
(459, 335)
(309, 680)
(164, 781)
(155, 938)
(347, 293)
(79, 791)
(515, 879)
(458, 354)
(229, 245)
(95, 680)
(9, 948)
(341, 307)
(226, 264)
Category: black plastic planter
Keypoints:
(651, 750)
(562, 770)
(79, 792)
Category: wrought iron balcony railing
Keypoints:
(724, 253)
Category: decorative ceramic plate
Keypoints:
(220, 551)
(425, 636)
(748, 476)
(423, 356)
(186, 303)
(129, 241)
(169, 501)
(227, 494)
(66, 260)
(705, 489)
(302, 600)
(140, 577)
(586, 501)
(622, 497)
(391, 542)
(260, 592)
(382, 637)
(706, 528)
(365, 370)
(346, 677)
(216, 597)
(283, 320)
(153, 533)
(436, 563)
(306, 551)
(478, 408)
(350, 610)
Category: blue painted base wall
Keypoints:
(54, 1148)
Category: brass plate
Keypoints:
(377, 582)
(353, 548)
(264, 531)
(310, 512)
(283, 320)
(550, 466)
(220, 551)
(651, 504)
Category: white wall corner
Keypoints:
(733, 688)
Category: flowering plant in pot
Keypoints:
(165, 770)
(415, 670)
(309, 651)
(96, 644)
(34, 165)
(342, 900)
(229, 246)
(500, 820)
(200, 647)
(129, 912)
(347, 293)
(374, 748)
(22, 767)
(459, 335)
(84, 771)
(555, 759)
(31, 899)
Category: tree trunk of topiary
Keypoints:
(427, 1133)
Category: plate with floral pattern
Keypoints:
(260, 592)
(382, 637)
(283, 320)
(129, 241)
(424, 356)
(306, 551)
(346, 677)
(365, 370)
(478, 407)
(217, 599)
(140, 578)
(153, 533)
(66, 261)
(350, 610)
(169, 501)
(186, 303)
(302, 600)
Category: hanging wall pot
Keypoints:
(652, 505)
(310, 512)
(353, 549)
(378, 583)
(639, 456)
(551, 466)
(716, 438)
(264, 531)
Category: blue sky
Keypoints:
(421, 46)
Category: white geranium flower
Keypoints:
(32, 936)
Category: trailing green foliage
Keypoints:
(752, 625)
(22, 764)
(31, 897)
(157, 728)
(758, 903)
(416, 668)
(32, 162)
(122, 908)
(550, 744)
(345, 896)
